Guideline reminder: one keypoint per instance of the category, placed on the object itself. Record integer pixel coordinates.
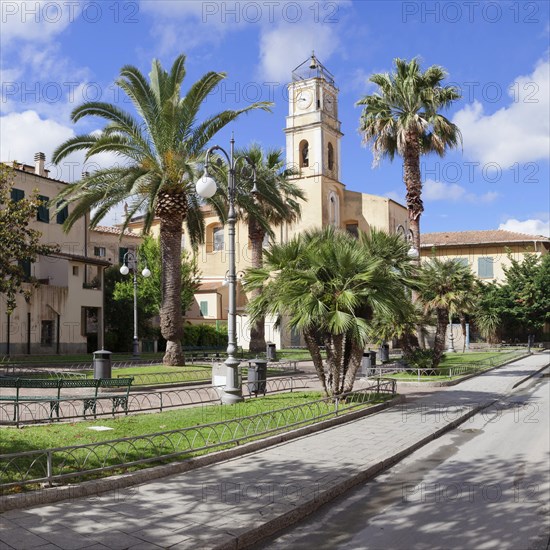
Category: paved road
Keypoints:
(484, 485)
(232, 503)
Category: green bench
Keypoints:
(89, 401)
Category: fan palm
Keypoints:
(276, 203)
(327, 285)
(161, 148)
(443, 285)
(402, 118)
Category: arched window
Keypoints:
(304, 154)
(333, 209)
(330, 156)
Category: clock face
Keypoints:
(304, 98)
(329, 103)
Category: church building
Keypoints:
(313, 149)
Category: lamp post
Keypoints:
(206, 188)
(451, 336)
(408, 236)
(133, 257)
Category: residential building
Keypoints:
(65, 311)
(486, 252)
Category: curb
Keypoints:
(448, 383)
(50, 495)
(530, 376)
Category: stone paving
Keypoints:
(234, 503)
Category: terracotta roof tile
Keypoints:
(491, 236)
(210, 286)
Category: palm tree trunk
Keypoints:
(353, 367)
(413, 183)
(171, 318)
(440, 332)
(463, 325)
(257, 330)
(315, 352)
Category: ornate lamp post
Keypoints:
(133, 257)
(206, 188)
(408, 235)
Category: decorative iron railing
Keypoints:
(77, 407)
(97, 459)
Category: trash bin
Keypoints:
(372, 358)
(384, 353)
(102, 364)
(365, 364)
(257, 374)
(271, 351)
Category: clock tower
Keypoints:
(313, 142)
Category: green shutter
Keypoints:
(63, 214)
(17, 194)
(43, 213)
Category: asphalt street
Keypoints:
(484, 485)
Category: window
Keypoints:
(353, 229)
(75, 270)
(46, 335)
(17, 194)
(204, 308)
(63, 214)
(463, 261)
(485, 267)
(217, 238)
(330, 156)
(43, 213)
(304, 154)
(100, 251)
(25, 265)
(121, 253)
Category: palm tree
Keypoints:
(402, 118)
(442, 287)
(276, 203)
(162, 148)
(394, 251)
(328, 286)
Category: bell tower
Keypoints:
(313, 139)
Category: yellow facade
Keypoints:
(64, 313)
(487, 259)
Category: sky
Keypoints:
(55, 55)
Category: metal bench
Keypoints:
(89, 401)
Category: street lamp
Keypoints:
(133, 257)
(206, 187)
(451, 336)
(408, 236)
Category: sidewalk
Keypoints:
(235, 503)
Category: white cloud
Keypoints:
(531, 227)
(519, 132)
(35, 20)
(24, 134)
(286, 46)
(439, 191)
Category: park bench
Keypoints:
(97, 387)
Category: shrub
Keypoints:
(421, 358)
(204, 336)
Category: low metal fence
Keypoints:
(157, 378)
(444, 372)
(21, 412)
(97, 459)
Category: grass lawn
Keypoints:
(476, 360)
(240, 421)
